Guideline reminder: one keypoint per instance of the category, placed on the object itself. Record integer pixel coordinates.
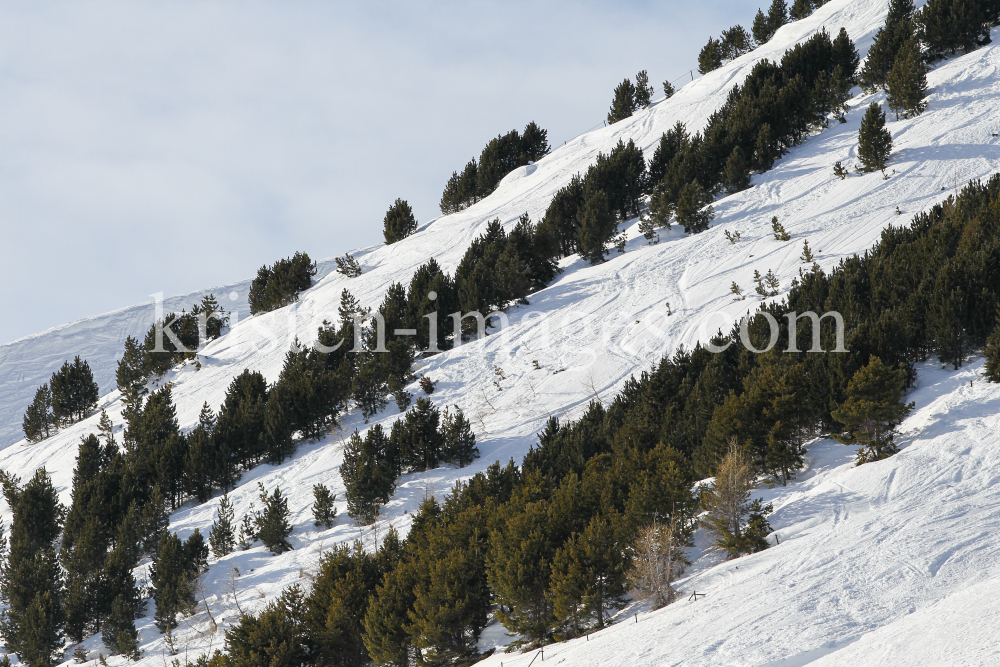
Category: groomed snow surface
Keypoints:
(890, 563)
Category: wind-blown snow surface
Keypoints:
(853, 563)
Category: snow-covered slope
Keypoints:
(859, 551)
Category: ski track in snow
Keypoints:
(877, 565)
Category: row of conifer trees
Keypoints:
(543, 547)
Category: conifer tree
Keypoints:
(874, 140)
(693, 210)
(801, 9)
(766, 150)
(596, 226)
(992, 353)
(710, 56)
(196, 553)
(459, 441)
(30, 581)
(272, 524)
(735, 42)
(761, 28)
(845, 56)
(668, 90)
(873, 409)
(222, 537)
(369, 472)
(248, 529)
(727, 501)
(199, 468)
(120, 635)
(906, 86)
(589, 575)
(38, 418)
(889, 39)
(623, 105)
(74, 392)
(170, 575)
(737, 174)
(643, 91)
(324, 511)
(777, 16)
(399, 222)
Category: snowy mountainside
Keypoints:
(859, 552)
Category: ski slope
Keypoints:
(882, 558)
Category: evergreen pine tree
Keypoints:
(120, 635)
(623, 105)
(800, 9)
(222, 537)
(597, 225)
(643, 91)
(845, 56)
(272, 524)
(777, 16)
(889, 39)
(399, 222)
(992, 353)
(727, 501)
(737, 174)
(38, 419)
(248, 529)
(735, 42)
(694, 210)
(196, 553)
(369, 472)
(199, 468)
(766, 149)
(668, 90)
(459, 441)
(31, 583)
(710, 56)
(170, 575)
(874, 140)
(324, 511)
(761, 28)
(873, 409)
(74, 392)
(906, 86)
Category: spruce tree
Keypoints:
(623, 105)
(399, 222)
(272, 525)
(873, 409)
(906, 86)
(694, 209)
(874, 140)
(597, 225)
(222, 537)
(196, 553)
(324, 511)
(668, 90)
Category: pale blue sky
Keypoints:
(171, 146)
